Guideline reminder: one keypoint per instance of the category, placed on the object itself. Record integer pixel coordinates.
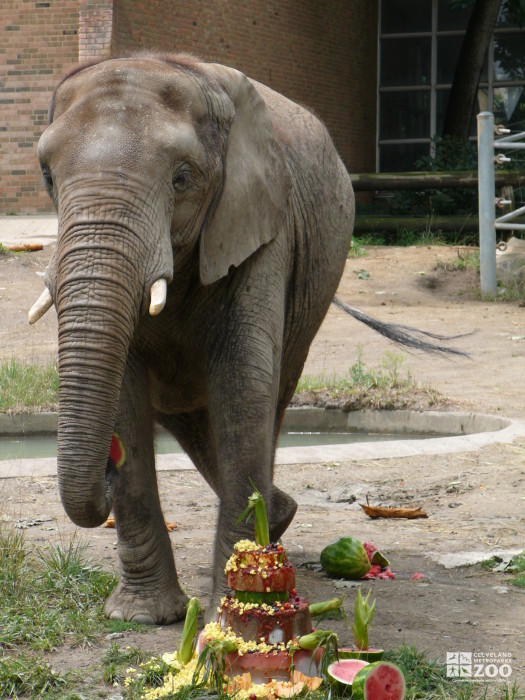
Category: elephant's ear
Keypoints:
(256, 183)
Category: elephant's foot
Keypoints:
(148, 607)
(283, 508)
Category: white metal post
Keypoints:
(486, 192)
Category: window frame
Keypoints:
(434, 34)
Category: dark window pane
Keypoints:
(405, 61)
(509, 56)
(442, 104)
(450, 19)
(401, 157)
(441, 107)
(509, 107)
(405, 115)
(405, 16)
(448, 48)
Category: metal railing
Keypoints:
(488, 223)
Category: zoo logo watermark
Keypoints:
(479, 665)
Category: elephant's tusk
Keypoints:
(40, 307)
(158, 296)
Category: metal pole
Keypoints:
(486, 191)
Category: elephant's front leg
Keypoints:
(148, 590)
(243, 395)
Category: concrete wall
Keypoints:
(322, 54)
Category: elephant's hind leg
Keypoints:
(193, 432)
(148, 590)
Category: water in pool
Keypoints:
(46, 445)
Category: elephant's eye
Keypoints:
(181, 181)
(48, 180)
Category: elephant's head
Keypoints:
(153, 164)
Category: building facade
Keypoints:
(378, 72)
(320, 53)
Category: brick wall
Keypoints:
(38, 42)
(320, 54)
(317, 53)
(95, 29)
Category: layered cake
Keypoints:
(263, 616)
(263, 605)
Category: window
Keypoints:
(419, 44)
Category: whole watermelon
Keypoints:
(345, 558)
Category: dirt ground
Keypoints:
(475, 500)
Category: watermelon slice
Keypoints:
(117, 451)
(381, 680)
(370, 654)
(345, 670)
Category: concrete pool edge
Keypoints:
(476, 431)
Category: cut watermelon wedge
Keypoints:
(381, 680)
(345, 670)
(117, 451)
(370, 654)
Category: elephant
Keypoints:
(204, 221)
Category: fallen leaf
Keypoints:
(24, 247)
(392, 512)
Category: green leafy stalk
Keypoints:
(187, 643)
(257, 507)
(211, 664)
(363, 615)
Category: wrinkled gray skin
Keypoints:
(170, 168)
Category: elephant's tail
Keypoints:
(404, 335)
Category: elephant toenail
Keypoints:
(143, 619)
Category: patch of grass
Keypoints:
(116, 662)
(29, 676)
(407, 237)
(385, 387)
(515, 566)
(25, 386)
(510, 292)
(50, 596)
(357, 249)
(467, 259)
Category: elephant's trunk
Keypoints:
(99, 297)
